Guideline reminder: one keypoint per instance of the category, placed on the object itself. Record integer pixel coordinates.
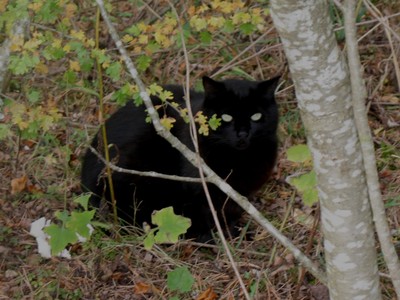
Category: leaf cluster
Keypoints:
(169, 227)
(305, 183)
(72, 226)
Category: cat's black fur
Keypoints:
(242, 150)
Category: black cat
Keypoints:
(242, 150)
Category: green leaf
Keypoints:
(79, 222)
(34, 96)
(60, 237)
(229, 27)
(310, 196)
(63, 216)
(114, 71)
(205, 37)
(305, 181)
(306, 185)
(170, 225)
(247, 28)
(69, 77)
(149, 241)
(4, 131)
(137, 99)
(214, 122)
(83, 200)
(180, 279)
(143, 62)
(299, 153)
(48, 12)
(134, 30)
(22, 64)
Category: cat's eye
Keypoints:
(256, 117)
(226, 118)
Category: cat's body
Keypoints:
(242, 150)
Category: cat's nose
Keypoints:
(242, 134)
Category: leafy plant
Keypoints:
(169, 227)
(305, 183)
(180, 280)
(72, 227)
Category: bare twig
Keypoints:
(377, 14)
(143, 173)
(199, 165)
(359, 95)
(232, 63)
(389, 32)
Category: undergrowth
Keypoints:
(49, 111)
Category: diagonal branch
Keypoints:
(191, 156)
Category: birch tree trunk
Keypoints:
(323, 91)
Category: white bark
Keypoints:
(5, 50)
(323, 91)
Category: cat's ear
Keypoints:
(211, 86)
(268, 86)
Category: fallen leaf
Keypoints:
(208, 294)
(18, 184)
(33, 189)
(142, 288)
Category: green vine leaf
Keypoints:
(169, 227)
(180, 280)
(299, 153)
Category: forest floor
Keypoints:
(49, 130)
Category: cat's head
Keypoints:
(247, 109)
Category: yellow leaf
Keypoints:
(127, 38)
(74, 66)
(191, 10)
(241, 17)
(227, 8)
(143, 27)
(198, 23)
(41, 68)
(67, 48)
(203, 8)
(137, 50)
(162, 39)
(80, 35)
(143, 39)
(3, 5)
(90, 43)
(70, 10)
(32, 44)
(36, 6)
(17, 42)
(56, 43)
(217, 22)
(167, 122)
(66, 22)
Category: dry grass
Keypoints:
(107, 268)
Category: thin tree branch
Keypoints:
(143, 173)
(211, 176)
(359, 95)
(199, 165)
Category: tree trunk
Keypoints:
(323, 90)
